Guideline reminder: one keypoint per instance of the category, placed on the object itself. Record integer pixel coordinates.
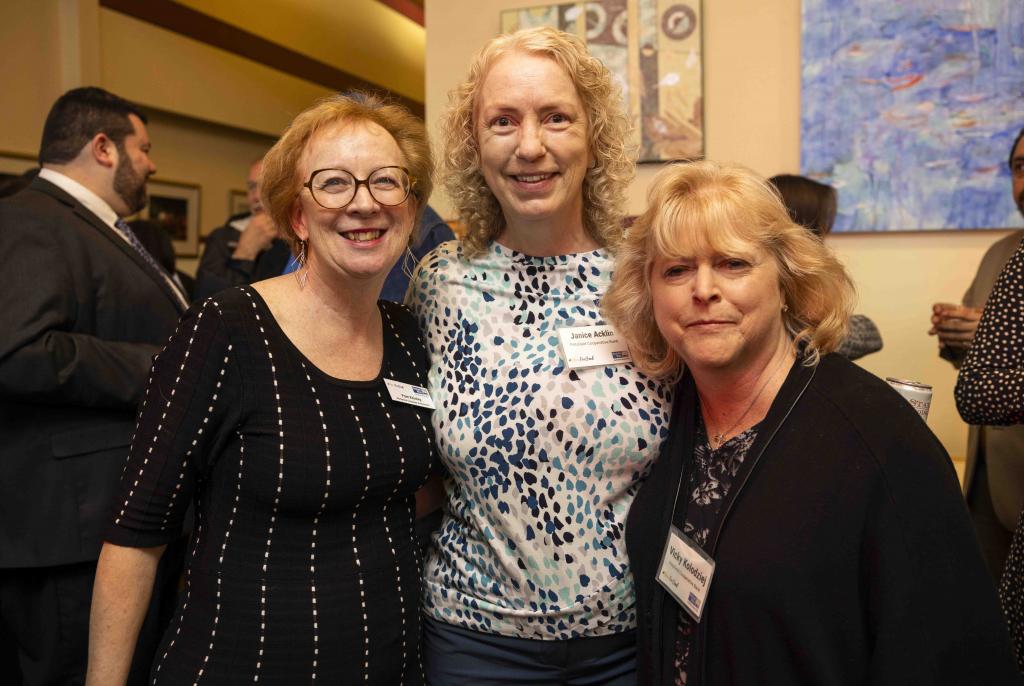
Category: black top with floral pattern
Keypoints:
(712, 474)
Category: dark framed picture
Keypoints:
(175, 206)
(238, 202)
(12, 166)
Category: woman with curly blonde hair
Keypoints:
(801, 524)
(528, 570)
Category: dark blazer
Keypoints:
(218, 270)
(81, 316)
(845, 557)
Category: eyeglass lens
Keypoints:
(335, 188)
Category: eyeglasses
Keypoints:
(334, 189)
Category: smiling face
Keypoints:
(719, 312)
(364, 239)
(531, 129)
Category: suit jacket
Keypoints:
(218, 270)
(81, 317)
(1003, 446)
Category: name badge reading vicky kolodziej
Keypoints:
(592, 346)
(410, 395)
(685, 572)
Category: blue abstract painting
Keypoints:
(909, 108)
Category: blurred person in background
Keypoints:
(990, 395)
(813, 205)
(246, 249)
(84, 307)
(994, 469)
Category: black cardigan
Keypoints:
(845, 557)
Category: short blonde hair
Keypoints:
(608, 131)
(280, 181)
(724, 207)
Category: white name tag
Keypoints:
(685, 572)
(409, 394)
(592, 346)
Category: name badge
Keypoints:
(592, 346)
(409, 394)
(685, 572)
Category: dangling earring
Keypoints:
(302, 273)
(785, 307)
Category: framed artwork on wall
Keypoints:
(175, 206)
(654, 50)
(14, 164)
(238, 202)
(909, 110)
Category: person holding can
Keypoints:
(528, 581)
(801, 525)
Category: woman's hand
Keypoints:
(120, 596)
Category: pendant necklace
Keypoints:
(717, 439)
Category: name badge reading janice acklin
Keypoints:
(592, 346)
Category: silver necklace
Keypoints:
(717, 439)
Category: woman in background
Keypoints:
(823, 519)
(528, 581)
(813, 206)
(271, 410)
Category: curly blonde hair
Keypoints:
(608, 133)
(280, 182)
(724, 207)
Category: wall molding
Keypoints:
(219, 34)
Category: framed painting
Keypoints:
(175, 206)
(654, 50)
(12, 166)
(909, 110)
(238, 202)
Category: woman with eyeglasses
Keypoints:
(288, 414)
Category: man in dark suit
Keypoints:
(246, 249)
(83, 310)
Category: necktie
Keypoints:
(134, 241)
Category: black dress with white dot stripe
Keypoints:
(303, 565)
(990, 390)
(990, 387)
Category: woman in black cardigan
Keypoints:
(802, 525)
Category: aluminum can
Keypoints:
(918, 394)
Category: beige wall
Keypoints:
(752, 91)
(211, 112)
(217, 158)
(363, 37)
(184, 76)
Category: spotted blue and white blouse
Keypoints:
(544, 460)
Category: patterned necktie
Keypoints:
(134, 241)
